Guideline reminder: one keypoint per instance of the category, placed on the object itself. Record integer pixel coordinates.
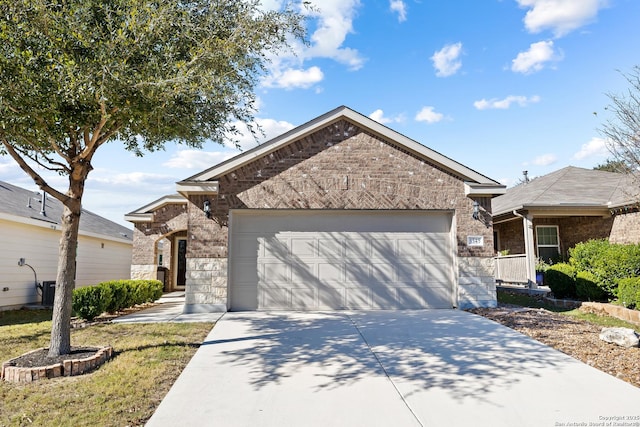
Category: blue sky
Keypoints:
(500, 86)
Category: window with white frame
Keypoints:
(548, 242)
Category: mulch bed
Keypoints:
(577, 338)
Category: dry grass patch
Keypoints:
(124, 392)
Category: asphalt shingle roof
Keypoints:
(570, 186)
(24, 203)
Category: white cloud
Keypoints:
(535, 58)
(335, 21)
(596, 147)
(428, 114)
(292, 78)
(130, 179)
(196, 159)
(379, 117)
(399, 7)
(446, 61)
(271, 128)
(329, 24)
(545, 160)
(503, 104)
(560, 16)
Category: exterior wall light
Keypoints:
(207, 208)
(476, 211)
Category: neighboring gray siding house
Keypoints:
(339, 213)
(33, 233)
(550, 214)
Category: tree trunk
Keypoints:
(65, 280)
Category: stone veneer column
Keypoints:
(144, 271)
(476, 282)
(206, 285)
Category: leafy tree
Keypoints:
(613, 166)
(622, 132)
(77, 74)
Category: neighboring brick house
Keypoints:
(339, 213)
(561, 209)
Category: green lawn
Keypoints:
(123, 392)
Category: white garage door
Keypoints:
(318, 260)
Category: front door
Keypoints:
(181, 263)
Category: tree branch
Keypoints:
(40, 182)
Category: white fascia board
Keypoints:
(146, 217)
(325, 120)
(483, 189)
(206, 187)
(52, 225)
(165, 200)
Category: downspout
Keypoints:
(529, 250)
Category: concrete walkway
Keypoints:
(400, 368)
(169, 309)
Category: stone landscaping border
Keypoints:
(67, 368)
(622, 313)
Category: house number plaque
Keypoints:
(475, 240)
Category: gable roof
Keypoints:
(570, 188)
(25, 206)
(145, 213)
(477, 184)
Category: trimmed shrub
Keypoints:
(561, 280)
(629, 292)
(145, 291)
(121, 291)
(91, 301)
(587, 288)
(608, 262)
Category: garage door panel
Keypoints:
(304, 299)
(356, 248)
(304, 247)
(357, 298)
(357, 272)
(276, 247)
(410, 297)
(331, 272)
(382, 273)
(309, 260)
(244, 297)
(245, 271)
(275, 298)
(331, 298)
(330, 248)
(437, 297)
(409, 273)
(276, 272)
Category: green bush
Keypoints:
(145, 291)
(91, 301)
(629, 292)
(121, 298)
(561, 279)
(608, 262)
(587, 288)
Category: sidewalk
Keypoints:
(169, 309)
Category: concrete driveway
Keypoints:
(384, 368)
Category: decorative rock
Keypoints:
(624, 337)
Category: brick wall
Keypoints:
(340, 167)
(572, 230)
(626, 228)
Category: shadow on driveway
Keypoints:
(426, 367)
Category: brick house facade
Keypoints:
(339, 162)
(573, 205)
